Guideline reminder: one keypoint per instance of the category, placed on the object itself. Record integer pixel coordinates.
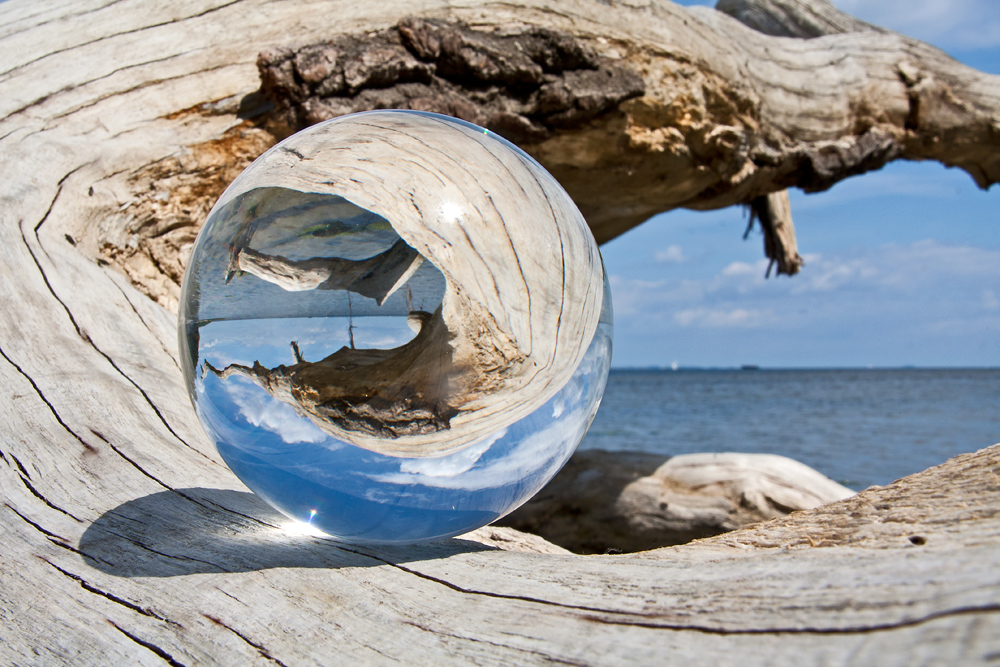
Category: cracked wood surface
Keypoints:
(127, 541)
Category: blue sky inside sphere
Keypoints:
(902, 264)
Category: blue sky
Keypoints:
(902, 265)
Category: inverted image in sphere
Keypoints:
(395, 326)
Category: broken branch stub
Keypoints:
(774, 213)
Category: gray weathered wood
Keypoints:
(127, 541)
(794, 18)
(616, 502)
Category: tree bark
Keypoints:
(127, 541)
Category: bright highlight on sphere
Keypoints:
(395, 326)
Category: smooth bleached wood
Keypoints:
(127, 541)
(614, 502)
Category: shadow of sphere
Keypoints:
(200, 530)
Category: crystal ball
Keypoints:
(395, 326)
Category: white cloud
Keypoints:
(934, 298)
(743, 269)
(538, 454)
(903, 277)
(718, 318)
(930, 261)
(631, 296)
(919, 265)
(672, 254)
(740, 278)
(824, 276)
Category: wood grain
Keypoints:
(126, 541)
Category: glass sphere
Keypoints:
(395, 326)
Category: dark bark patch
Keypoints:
(522, 84)
(819, 168)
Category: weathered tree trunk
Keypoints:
(127, 541)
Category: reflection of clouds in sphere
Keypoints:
(573, 393)
(447, 466)
(261, 410)
(538, 452)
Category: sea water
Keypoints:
(861, 427)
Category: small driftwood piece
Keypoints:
(127, 541)
(614, 502)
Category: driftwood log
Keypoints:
(618, 502)
(126, 541)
